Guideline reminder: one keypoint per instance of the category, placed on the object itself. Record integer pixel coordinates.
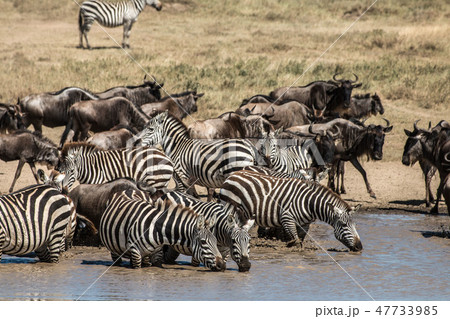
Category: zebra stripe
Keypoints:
(290, 202)
(230, 236)
(135, 229)
(286, 160)
(89, 164)
(208, 164)
(37, 218)
(112, 15)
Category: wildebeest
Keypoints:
(355, 141)
(116, 137)
(362, 106)
(230, 125)
(320, 95)
(291, 113)
(27, 147)
(102, 115)
(446, 192)
(179, 105)
(259, 98)
(9, 119)
(147, 92)
(433, 145)
(51, 108)
(413, 153)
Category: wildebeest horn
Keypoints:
(310, 130)
(356, 79)
(415, 125)
(253, 108)
(337, 80)
(387, 122)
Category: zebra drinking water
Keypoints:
(135, 229)
(197, 162)
(110, 14)
(231, 237)
(89, 164)
(290, 203)
(36, 219)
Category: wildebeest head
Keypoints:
(347, 86)
(10, 119)
(376, 135)
(376, 105)
(155, 4)
(47, 150)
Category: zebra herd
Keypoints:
(123, 193)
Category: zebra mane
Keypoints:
(76, 145)
(165, 204)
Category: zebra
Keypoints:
(111, 15)
(231, 237)
(135, 229)
(37, 219)
(291, 160)
(89, 164)
(197, 162)
(291, 203)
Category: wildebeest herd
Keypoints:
(266, 158)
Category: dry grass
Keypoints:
(232, 50)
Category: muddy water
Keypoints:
(400, 261)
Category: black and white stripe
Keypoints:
(291, 203)
(112, 14)
(206, 164)
(135, 229)
(88, 164)
(36, 219)
(231, 237)
(291, 159)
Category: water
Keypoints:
(398, 263)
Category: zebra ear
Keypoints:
(231, 220)
(59, 179)
(356, 208)
(278, 131)
(249, 224)
(200, 222)
(42, 176)
(212, 221)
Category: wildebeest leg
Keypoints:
(117, 260)
(435, 209)
(33, 170)
(342, 173)
(358, 166)
(331, 176)
(16, 176)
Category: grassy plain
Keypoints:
(231, 50)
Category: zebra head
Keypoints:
(68, 166)
(155, 4)
(344, 228)
(240, 243)
(152, 134)
(204, 247)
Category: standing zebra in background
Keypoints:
(293, 160)
(290, 203)
(231, 238)
(111, 15)
(37, 218)
(135, 229)
(196, 162)
(88, 164)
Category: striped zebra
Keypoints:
(291, 203)
(197, 162)
(89, 164)
(36, 219)
(293, 159)
(230, 236)
(112, 14)
(135, 229)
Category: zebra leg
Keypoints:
(157, 257)
(170, 255)
(302, 230)
(289, 226)
(117, 260)
(195, 262)
(18, 171)
(43, 253)
(135, 257)
(126, 34)
(146, 261)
